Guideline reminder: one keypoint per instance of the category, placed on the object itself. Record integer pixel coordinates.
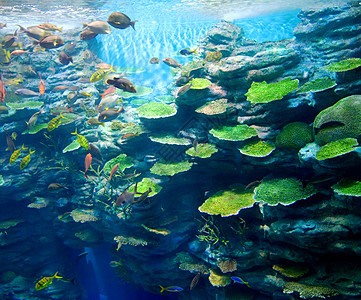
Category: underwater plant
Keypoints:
(200, 83)
(218, 280)
(210, 233)
(309, 291)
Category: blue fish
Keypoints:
(188, 51)
(174, 289)
(239, 280)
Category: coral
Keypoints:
(141, 91)
(155, 110)
(344, 65)
(194, 268)
(318, 85)
(68, 118)
(203, 150)
(133, 129)
(39, 203)
(122, 240)
(227, 266)
(83, 215)
(257, 148)
(192, 66)
(218, 280)
(123, 160)
(35, 129)
(348, 187)
(214, 56)
(336, 148)
(116, 125)
(291, 271)
(72, 146)
(234, 133)
(165, 99)
(309, 291)
(170, 169)
(26, 104)
(294, 136)
(89, 235)
(168, 139)
(282, 191)
(200, 83)
(262, 92)
(216, 107)
(339, 121)
(144, 186)
(228, 202)
(10, 223)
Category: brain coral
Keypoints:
(294, 136)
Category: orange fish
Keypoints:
(41, 86)
(114, 170)
(2, 90)
(109, 90)
(88, 161)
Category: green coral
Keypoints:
(234, 133)
(257, 148)
(318, 85)
(165, 98)
(35, 129)
(26, 104)
(339, 121)
(141, 91)
(336, 148)
(123, 160)
(228, 202)
(344, 65)
(144, 186)
(214, 56)
(282, 191)
(200, 83)
(133, 129)
(74, 145)
(262, 92)
(216, 107)
(294, 136)
(170, 169)
(292, 270)
(192, 66)
(309, 291)
(348, 187)
(203, 150)
(169, 139)
(154, 110)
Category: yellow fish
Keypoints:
(54, 123)
(86, 94)
(46, 281)
(26, 160)
(14, 156)
(101, 74)
(14, 81)
(81, 140)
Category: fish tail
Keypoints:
(162, 289)
(133, 23)
(22, 29)
(62, 116)
(111, 68)
(85, 176)
(102, 124)
(76, 131)
(195, 51)
(24, 148)
(30, 152)
(60, 29)
(84, 24)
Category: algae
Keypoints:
(169, 139)
(234, 133)
(336, 148)
(200, 83)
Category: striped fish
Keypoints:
(46, 281)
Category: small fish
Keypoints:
(115, 264)
(9, 39)
(239, 280)
(114, 170)
(55, 122)
(10, 143)
(46, 281)
(81, 139)
(128, 136)
(18, 52)
(108, 91)
(98, 26)
(33, 119)
(2, 25)
(194, 281)
(15, 155)
(26, 92)
(56, 186)
(4, 56)
(101, 74)
(161, 231)
(129, 176)
(26, 160)
(14, 135)
(184, 89)
(172, 62)
(154, 60)
(51, 42)
(195, 144)
(94, 122)
(120, 20)
(143, 196)
(122, 83)
(83, 254)
(60, 88)
(86, 94)
(41, 86)
(253, 184)
(126, 198)
(14, 81)
(2, 90)
(34, 32)
(57, 110)
(51, 27)
(103, 66)
(188, 51)
(65, 58)
(109, 101)
(87, 163)
(87, 34)
(109, 114)
(173, 289)
(4, 109)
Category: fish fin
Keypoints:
(61, 115)
(133, 23)
(31, 152)
(84, 24)
(108, 31)
(85, 176)
(22, 29)
(27, 124)
(71, 109)
(135, 189)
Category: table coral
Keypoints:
(348, 187)
(170, 169)
(155, 110)
(234, 133)
(294, 136)
(257, 148)
(336, 148)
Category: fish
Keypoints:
(120, 21)
(55, 122)
(239, 280)
(41, 86)
(113, 171)
(34, 32)
(98, 26)
(184, 89)
(2, 25)
(56, 186)
(51, 27)
(10, 143)
(173, 289)
(87, 34)
(81, 139)
(57, 110)
(143, 196)
(161, 231)
(19, 52)
(253, 184)
(129, 176)
(87, 163)
(4, 56)
(83, 254)
(108, 91)
(51, 42)
(46, 281)
(4, 109)
(9, 39)
(172, 62)
(194, 281)
(109, 101)
(195, 144)
(65, 58)
(115, 264)
(26, 160)
(188, 51)
(60, 88)
(15, 155)
(14, 135)
(154, 60)
(122, 83)
(103, 66)
(126, 198)
(33, 119)
(128, 136)
(2, 90)
(101, 74)
(109, 114)
(95, 151)
(14, 81)
(26, 92)
(94, 122)
(183, 80)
